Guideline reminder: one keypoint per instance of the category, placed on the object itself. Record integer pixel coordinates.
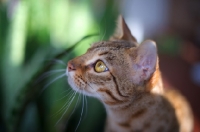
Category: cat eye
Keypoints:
(100, 67)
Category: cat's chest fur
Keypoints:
(125, 77)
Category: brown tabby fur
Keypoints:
(131, 90)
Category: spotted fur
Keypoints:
(131, 90)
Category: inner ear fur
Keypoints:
(122, 31)
(144, 62)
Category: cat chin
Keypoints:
(87, 93)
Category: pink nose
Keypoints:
(71, 66)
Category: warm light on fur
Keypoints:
(131, 87)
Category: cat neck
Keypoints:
(120, 115)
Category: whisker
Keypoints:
(74, 107)
(61, 76)
(46, 74)
(65, 105)
(64, 96)
(69, 100)
(85, 106)
(69, 89)
(103, 35)
(81, 114)
(66, 108)
(58, 61)
(90, 86)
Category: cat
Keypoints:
(125, 77)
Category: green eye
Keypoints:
(100, 67)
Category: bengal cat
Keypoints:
(125, 77)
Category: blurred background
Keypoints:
(36, 39)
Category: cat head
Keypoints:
(115, 69)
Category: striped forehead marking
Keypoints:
(97, 56)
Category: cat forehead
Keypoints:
(106, 48)
(119, 44)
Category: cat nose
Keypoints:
(71, 66)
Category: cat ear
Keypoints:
(146, 59)
(122, 31)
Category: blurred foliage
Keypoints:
(169, 44)
(34, 36)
